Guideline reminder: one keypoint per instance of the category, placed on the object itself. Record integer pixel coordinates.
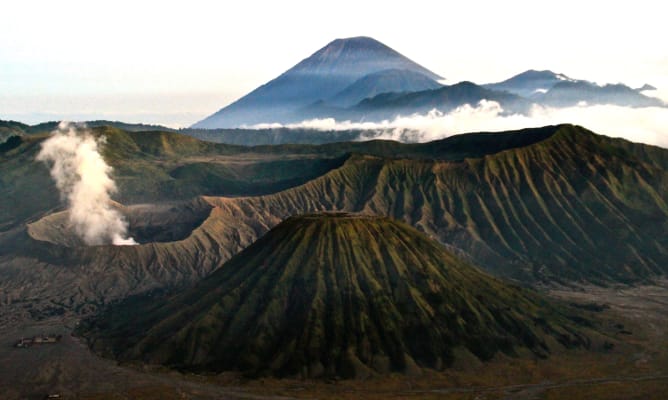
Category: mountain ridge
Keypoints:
(317, 77)
(555, 205)
(340, 81)
(325, 295)
(498, 206)
(558, 90)
(386, 81)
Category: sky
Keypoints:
(174, 63)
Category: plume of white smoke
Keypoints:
(646, 125)
(82, 177)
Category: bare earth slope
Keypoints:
(344, 295)
(573, 206)
(545, 205)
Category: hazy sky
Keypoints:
(161, 62)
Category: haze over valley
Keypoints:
(353, 223)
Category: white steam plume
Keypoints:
(646, 125)
(82, 177)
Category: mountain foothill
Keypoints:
(296, 253)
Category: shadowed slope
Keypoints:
(575, 206)
(571, 206)
(164, 167)
(336, 295)
(318, 77)
(41, 259)
(558, 90)
(392, 80)
(444, 99)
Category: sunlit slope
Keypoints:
(155, 167)
(182, 238)
(336, 295)
(160, 166)
(570, 206)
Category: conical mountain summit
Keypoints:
(320, 77)
(336, 295)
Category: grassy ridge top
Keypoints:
(336, 295)
(160, 166)
(457, 147)
(576, 206)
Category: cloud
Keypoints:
(645, 125)
(83, 179)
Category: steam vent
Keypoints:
(146, 223)
(335, 295)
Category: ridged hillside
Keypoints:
(335, 295)
(181, 240)
(554, 204)
(161, 167)
(576, 206)
(444, 99)
(387, 81)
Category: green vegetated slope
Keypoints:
(153, 167)
(158, 166)
(575, 206)
(162, 166)
(26, 189)
(42, 262)
(336, 295)
(47, 268)
(564, 205)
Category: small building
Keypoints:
(37, 340)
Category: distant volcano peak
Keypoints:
(318, 77)
(361, 44)
(355, 41)
(358, 56)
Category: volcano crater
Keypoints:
(147, 223)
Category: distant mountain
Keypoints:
(557, 204)
(530, 83)
(321, 76)
(46, 127)
(443, 99)
(645, 87)
(558, 90)
(566, 94)
(336, 295)
(391, 80)
(9, 129)
(361, 79)
(13, 125)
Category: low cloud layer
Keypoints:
(645, 125)
(83, 179)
